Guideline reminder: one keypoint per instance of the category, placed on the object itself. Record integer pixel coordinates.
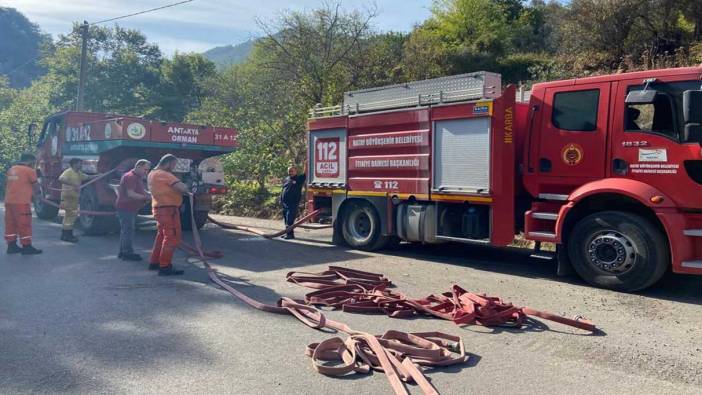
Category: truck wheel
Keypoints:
(361, 227)
(619, 251)
(200, 220)
(200, 217)
(94, 225)
(43, 210)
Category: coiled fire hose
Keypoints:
(352, 292)
(397, 354)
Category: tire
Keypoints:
(43, 210)
(618, 251)
(360, 227)
(94, 225)
(200, 217)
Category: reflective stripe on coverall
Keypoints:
(70, 195)
(70, 206)
(18, 223)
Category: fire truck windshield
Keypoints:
(664, 116)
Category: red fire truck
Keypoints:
(608, 168)
(108, 141)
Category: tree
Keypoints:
(381, 62)
(182, 87)
(21, 46)
(470, 35)
(122, 70)
(26, 106)
(316, 50)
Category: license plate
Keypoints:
(183, 165)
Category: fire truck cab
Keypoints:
(608, 168)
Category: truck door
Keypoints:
(573, 138)
(649, 143)
(49, 145)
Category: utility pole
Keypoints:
(83, 60)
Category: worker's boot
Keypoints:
(169, 271)
(67, 235)
(154, 266)
(30, 250)
(13, 248)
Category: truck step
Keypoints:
(542, 235)
(692, 264)
(545, 255)
(553, 196)
(693, 232)
(546, 216)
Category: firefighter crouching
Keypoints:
(71, 180)
(167, 195)
(21, 183)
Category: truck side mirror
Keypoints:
(646, 96)
(31, 131)
(692, 116)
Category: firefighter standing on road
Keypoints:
(71, 180)
(167, 195)
(21, 182)
(290, 198)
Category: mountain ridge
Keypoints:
(227, 55)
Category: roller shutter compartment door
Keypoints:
(462, 155)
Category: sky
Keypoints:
(202, 24)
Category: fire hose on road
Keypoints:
(360, 292)
(397, 354)
(401, 356)
(298, 224)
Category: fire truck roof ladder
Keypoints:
(462, 87)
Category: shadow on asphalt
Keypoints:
(77, 320)
(514, 261)
(503, 260)
(257, 254)
(510, 261)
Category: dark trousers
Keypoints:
(289, 215)
(127, 221)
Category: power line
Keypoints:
(142, 12)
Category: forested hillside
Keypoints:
(21, 44)
(229, 55)
(313, 57)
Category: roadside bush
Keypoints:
(247, 199)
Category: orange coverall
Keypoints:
(18, 197)
(165, 203)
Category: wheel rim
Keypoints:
(612, 252)
(86, 203)
(38, 202)
(360, 225)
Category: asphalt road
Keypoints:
(77, 320)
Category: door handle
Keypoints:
(545, 165)
(620, 166)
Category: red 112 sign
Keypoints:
(326, 157)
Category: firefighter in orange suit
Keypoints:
(167, 195)
(21, 183)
